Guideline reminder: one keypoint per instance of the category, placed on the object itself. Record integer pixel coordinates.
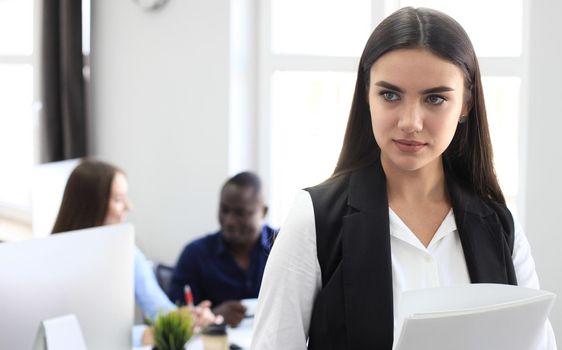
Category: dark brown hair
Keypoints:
(469, 157)
(86, 196)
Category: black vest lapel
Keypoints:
(483, 238)
(367, 267)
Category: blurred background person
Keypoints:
(227, 266)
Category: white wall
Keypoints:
(544, 172)
(160, 92)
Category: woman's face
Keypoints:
(119, 205)
(415, 99)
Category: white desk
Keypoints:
(242, 335)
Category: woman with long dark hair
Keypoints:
(413, 203)
(95, 195)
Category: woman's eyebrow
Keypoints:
(387, 85)
(432, 90)
(437, 89)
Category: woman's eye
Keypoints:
(389, 96)
(435, 100)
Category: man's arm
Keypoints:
(187, 271)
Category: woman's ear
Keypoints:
(465, 110)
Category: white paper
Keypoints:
(242, 335)
(475, 316)
(60, 333)
(250, 305)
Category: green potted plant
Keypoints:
(172, 330)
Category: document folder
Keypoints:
(469, 317)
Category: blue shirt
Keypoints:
(149, 296)
(210, 270)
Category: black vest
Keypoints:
(354, 308)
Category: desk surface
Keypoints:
(242, 335)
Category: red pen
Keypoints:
(188, 295)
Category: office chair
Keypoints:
(164, 274)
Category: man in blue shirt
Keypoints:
(227, 266)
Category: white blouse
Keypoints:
(292, 276)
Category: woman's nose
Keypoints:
(128, 205)
(230, 219)
(411, 119)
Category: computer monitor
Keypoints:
(88, 273)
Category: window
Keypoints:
(316, 27)
(308, 58)
(308, 115)
(19, 101)
(17, 93)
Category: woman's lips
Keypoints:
(409, 146)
